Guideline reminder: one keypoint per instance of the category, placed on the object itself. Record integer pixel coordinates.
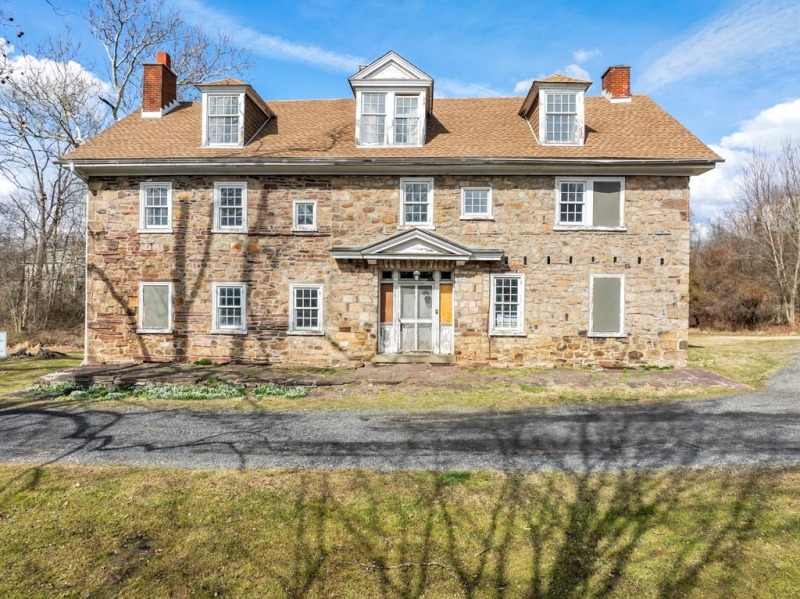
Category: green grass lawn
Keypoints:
(16, 375)
(132, 532)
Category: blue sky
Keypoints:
(728, 70)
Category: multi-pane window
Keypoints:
(571, 202)
(230, 202)
(560, 117)
(305, 216)
(417, 201)
(155, 307)
(508, 304)
(607, 305)
(306, 313)
(229, 307)
(373, 118)
(223, 120)
(476, 202)
(596, 203)
(155, 207)
(406, 119)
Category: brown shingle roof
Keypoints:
(559, 78)
(458, 128)
(226, 81)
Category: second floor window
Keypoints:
(560, 118)
(305, 216)
(230, 207)
(373, 118)
(417, 202)
(590, 203)
(406, 120)
(223, 120)
(155, 207)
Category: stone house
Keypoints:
(391, 226)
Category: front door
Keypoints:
(416, 318)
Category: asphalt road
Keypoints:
(746, 429)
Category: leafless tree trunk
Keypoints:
(767, 213)
(132, 31)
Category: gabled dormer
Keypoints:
(393, 101)
(555, 108)
(233, 113)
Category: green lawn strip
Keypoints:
(751, 361)
(78, 531)
(19, 374)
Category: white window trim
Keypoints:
(142, 199)
(142, 285)
(295, 225)
(241, 97)
(390, 116)
(217, 227)
(621, 332)
(426, 225)
(588, 204)
(489, 204)
(580, 129)
(519, 331)
(293, 330)
(215, 328)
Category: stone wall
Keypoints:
(653, 254)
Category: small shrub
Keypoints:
(169, 391)
(60, 388)
(287, 391)
(533, 388)
(204, 362)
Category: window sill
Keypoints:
(228, 332)
(476, 217)
(507, 334)
(607, 335)
(296, 230)
(234, 231)
(153, 231)
(383, 146)
(588, 228)
(215, 146)
(419, 226)
(154, 331)
(306, 333)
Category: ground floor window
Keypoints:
(230, 307)
(155, 307)
(306, 309)
(507, 305)
(607, 305)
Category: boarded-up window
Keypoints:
(607, 204)
(607, 297)
(387, 302)
(155, 309)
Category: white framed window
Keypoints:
(373, 118)
(155, 208)
(507, 305)
(230, 207)
(416, 202)
(561, 117)
(607, 305)
(155, 307)
(305, 316)
(304, 215)
(406, 120)
(596, 203)
(476, 202)
(229, 308)
(223, 119)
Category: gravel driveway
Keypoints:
(746, 429)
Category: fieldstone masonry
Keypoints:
(653, 254)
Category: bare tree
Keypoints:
(47, 108)
(767, 214)
(8, 31)
(131, 31)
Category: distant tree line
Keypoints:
(49, 105)
(745, 270)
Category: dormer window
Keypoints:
(561, 116)
(406, 119)
(223, 120)
(373, 118)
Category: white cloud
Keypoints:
(578, 72)
(448, 88)
(757, 33)
(270, 46)
(582, 56)
(715, 191)
(522, 87)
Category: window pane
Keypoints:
(406, 124)
(304, 216)
(606, 300)
(231, 207)
(155, 307)
(230, 307)
(306, 308)
(476, 201)
(561, 117)
(570, 207)
(506, 303)
(606, 204)
(156, 211)
(373, 118)
(424, 302)
(407, 298)
(223, 119)
(415, 203)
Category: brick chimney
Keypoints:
(159, 87)
(617, 83)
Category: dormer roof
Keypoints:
(393, 71)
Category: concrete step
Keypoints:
(413, 359)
